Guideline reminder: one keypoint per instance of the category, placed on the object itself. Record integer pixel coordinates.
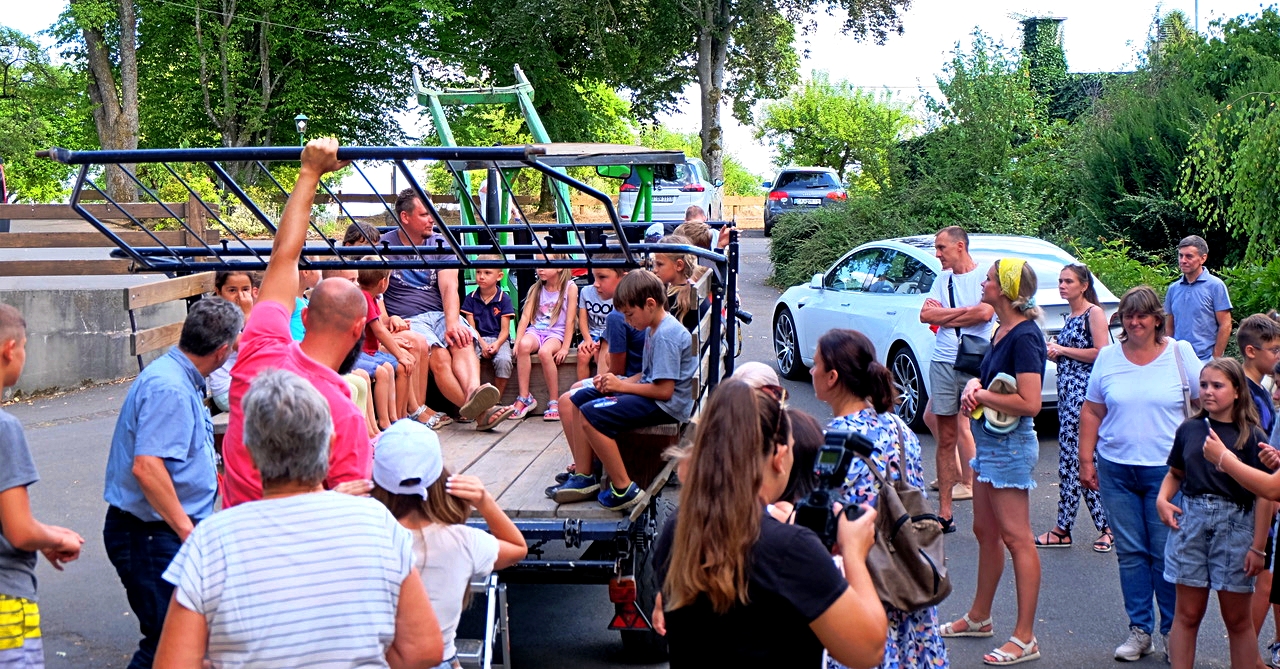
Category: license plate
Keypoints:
(664, 199)
(808, 200)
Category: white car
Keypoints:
(878, 289)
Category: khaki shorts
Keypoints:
(945, 387)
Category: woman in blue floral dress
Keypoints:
(1083, 334)
(860, 392)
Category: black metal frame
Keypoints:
(618, 540)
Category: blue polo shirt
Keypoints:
(1194, 307)
(489, 314)
(164, 416)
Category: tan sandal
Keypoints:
(1004, 658)
(972, 628)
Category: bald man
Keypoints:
(334, 321)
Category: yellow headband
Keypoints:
(1009, 270)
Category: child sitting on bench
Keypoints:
(661, 393)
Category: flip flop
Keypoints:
(492, 417)
(480, 399)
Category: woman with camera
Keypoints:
(861, 394)
(1008, 393)
(741, 588)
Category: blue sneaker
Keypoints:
(577, 488)
(613, 500)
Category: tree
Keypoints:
(751, 43)
(105, 35)
(41, 105)
(833, 124)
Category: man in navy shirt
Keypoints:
(161, 473)
(1197, 304)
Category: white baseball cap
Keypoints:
(407, 458)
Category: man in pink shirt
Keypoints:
(334, 322)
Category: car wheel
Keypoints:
(786, 347)
(909, 380)
(768, 228)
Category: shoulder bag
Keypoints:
(1182, 380)
(907, 561)
(970, 349)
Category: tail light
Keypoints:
(778, 195)
(629, 188)
(837, 195)
(692, 188)
(627, 615)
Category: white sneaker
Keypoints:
(1136, 646)
(1274, 651)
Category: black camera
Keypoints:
(831, 468)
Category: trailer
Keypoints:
(518, 459)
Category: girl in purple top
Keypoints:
(550, 310)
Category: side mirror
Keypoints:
(719, 183)
(816, 281)
(767, 184)
(614, 171)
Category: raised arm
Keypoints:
(280, 284)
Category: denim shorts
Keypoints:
(1005, 460)
(1208, 550)
(370, 362)
(430, 324)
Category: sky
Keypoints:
(1098, 36)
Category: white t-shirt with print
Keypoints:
(1144, 402)
(968, 292)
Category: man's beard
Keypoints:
(352, 355)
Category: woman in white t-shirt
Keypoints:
(410, 479)
(1138, 394)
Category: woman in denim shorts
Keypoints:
(1215, 540)
(1007, 449)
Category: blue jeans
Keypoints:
(1129, 494)
(141, 551)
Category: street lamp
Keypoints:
(300, 121)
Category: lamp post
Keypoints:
(300, 122)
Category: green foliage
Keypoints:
(1120, 267)
(41, 106)
(806, 242)
(833, 124)
(1254, 288)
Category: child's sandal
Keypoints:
(552, 412)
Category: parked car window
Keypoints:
(902, 274)
(806, 180)
(856, 272)
(685, 174)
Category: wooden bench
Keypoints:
(137, 298)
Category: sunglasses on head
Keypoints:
(776, 392)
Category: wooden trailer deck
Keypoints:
(517, 461)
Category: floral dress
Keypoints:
(913, 639)
(1073, 380)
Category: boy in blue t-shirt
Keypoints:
(489, 310)
(661, 393)
(21, 535)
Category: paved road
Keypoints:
(87, 622)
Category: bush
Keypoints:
(1254, 289)
(1120, 267)
(807, 242)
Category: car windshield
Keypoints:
(806, 180)
(685, 174)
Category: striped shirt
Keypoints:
(310, 580)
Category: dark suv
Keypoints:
(800, 188)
